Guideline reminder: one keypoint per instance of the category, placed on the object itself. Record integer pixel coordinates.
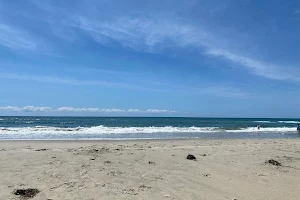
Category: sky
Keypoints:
(214, 58)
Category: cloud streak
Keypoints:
(69, 81)
(82, 110)
(259, 68)
(150, 34)
(221, 91)
(13, 38)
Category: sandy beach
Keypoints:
(157, 169)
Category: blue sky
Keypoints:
(150, 58)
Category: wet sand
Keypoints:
(153, 169)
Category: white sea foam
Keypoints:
(269, 129)
(263, 121)
(131, 130)
(1, 119)
(289, 122)
(104, 130)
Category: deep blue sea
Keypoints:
(79, 128)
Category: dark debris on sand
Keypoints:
(107, 162)
(26, 193)
(273, 162)
(41, 149)
(191, 157)
(102, 150)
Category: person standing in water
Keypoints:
(258, 127)
(298, 127)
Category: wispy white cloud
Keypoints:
(142, 33)
(151, 33)
(65, 80)
(25, 109)
(104, 110)
(81, 110)
(259, 68)
(16, 39)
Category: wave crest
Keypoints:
(133, 130)
(263, 121)
(289, 122)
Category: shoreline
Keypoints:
(168, 136)
(142, 140)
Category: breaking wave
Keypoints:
(289, 122)
(269, 122)
(273, 129)
(263, 121)
(132, 130)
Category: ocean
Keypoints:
(122, 128)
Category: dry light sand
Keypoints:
(99, 170)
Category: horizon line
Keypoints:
(148, 117)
